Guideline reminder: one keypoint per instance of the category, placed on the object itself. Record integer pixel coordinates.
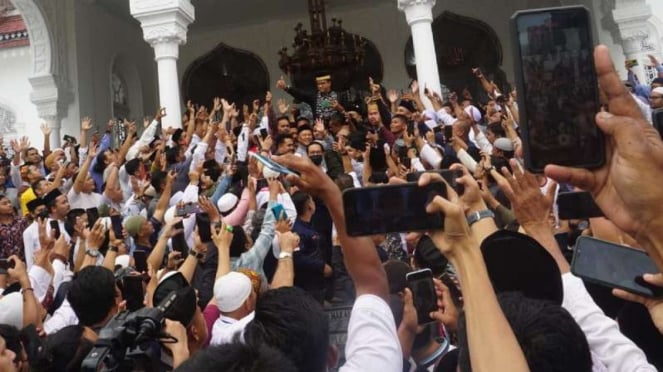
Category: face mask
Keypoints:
(316, 159)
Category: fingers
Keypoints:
(620, 100)
(578, 177)
(655, 279)
(628, 296)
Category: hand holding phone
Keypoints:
(557, 95)
(424, 297)
(55, 227)
(614, 266)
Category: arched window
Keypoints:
(119, 95)
(462, 43)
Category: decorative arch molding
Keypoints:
(51, 92)
(235, 74)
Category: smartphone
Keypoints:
(448, 132)
(186, 209)
(56, 227)
(263, 133)
(558, 101)
(423, 294)
(279, 212)
(116, 222)
(140, 261)
(272, 165)
(132, 291)
(391, 208)
(178, 242)
(93, 216)
(577, 205)
(31, 342)
(614, 266)
(449, 175)
(204, 229)
(6, 264)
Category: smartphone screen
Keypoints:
(279, 212)
(423, 294)
(391, 208)
(614, 266)
(92, 216)
(132, 291)
(178, 242)
(577, 205)
(448, 132)
(140, 261)
(116, 222)
(204, 230)
(6, 264)
(56, 227)
(449, 175)
(554, 65)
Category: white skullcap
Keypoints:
(231, 290)
(11, 310)
(227, 202)
(473, 113)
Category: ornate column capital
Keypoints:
(164, 22)
(417, 10)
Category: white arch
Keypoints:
(40, 37)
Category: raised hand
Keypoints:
(86, 124)
(446, 313)
(528, 204)
(393, 96)
(627, 167)
(414, 87)
(283, 106)
(268, 97)
(281, 84)
(45, 129)
(190, 107)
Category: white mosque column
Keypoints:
(419, 16)
(631, 18)
(165, 24)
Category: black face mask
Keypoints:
(316, 159)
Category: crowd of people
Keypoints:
(184, 249)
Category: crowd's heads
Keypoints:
(511, 256)
(233, 292)
(304, 203)
(292, 321)
(57, 204)
(548, 335)
(656, 98)
(184, 307)
(304, 135)
(315, 152)
(94, 296)
(137, 226)
(239, 357)
(284, 144)
(64, 351)
(398, 124)
(324, 82)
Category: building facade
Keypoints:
(67, 59)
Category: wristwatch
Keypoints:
(283, 255)
(476, 216)
(92, 253)
(196, 254)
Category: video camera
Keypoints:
(131, 341)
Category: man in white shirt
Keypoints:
(58, 207)
(236, 300)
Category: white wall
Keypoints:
(15, 92)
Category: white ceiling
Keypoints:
(220, 13)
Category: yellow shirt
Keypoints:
(27, 196)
